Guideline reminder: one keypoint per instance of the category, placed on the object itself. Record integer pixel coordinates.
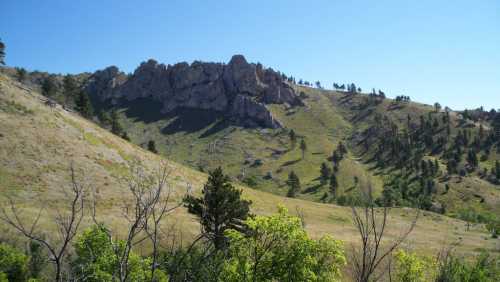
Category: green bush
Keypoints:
(13, 264)
(97, 258)
(277, 248)
(412, 268)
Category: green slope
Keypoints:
(37, 144)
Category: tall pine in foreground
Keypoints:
(219, 208)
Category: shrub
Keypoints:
(13, 264)
(412, 268)
(277, 248)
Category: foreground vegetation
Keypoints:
(233, 245)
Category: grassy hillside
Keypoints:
(263, 158)
(38, 143)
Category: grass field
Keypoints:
(38, 143)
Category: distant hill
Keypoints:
(239, 116)
(38, 140)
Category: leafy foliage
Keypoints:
(277, 248)
(412, 268)
(97, 258)
(13, 264)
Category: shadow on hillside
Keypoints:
(193, 120)
(290, 162)
(180, 120)
(312, 189)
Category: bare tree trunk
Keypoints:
(368, 258)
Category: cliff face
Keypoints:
(238, 89)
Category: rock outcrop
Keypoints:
(238, 89)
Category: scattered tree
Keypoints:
(324, 173)
(49, 86)
(21, 74)
(293, 138)
(116, 126)
(333, 185)
(83, 105)
(70, 89)
(303, 147)
(293, 183)
(152, 146)
(437, 107)
(2, 52)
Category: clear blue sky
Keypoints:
(440, 50)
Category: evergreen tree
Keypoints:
(472, 159)
(336, 158)
(437, 107)
(116, 126)
(152, 146)
(125, 136)
(303, 147)
(293, 138)
(104, 118)
(2, 52)
(82, 104)
(496, 126)
(324, 173)
(49, 86)
(497, 170)
(333, 184)
(21, 74)
(70, 88)
(219, 208)
(293, 183)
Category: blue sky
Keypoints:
(441, 50)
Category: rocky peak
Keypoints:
(239, 89)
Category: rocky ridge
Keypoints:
(239, 89)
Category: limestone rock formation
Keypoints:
(238, 89)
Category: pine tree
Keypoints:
(219, 208)
(472, 159)
(104, 118)
(324, 173)
(82, 104)
(293, 183)
(496, 126)
(116, 126)
(125, 136)
(49, 87)
(333, 184)
(152, 146)
(70, 88)
(497, 170)
(303, 147)
(293, 138)
(21, 74)
(2, 52)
